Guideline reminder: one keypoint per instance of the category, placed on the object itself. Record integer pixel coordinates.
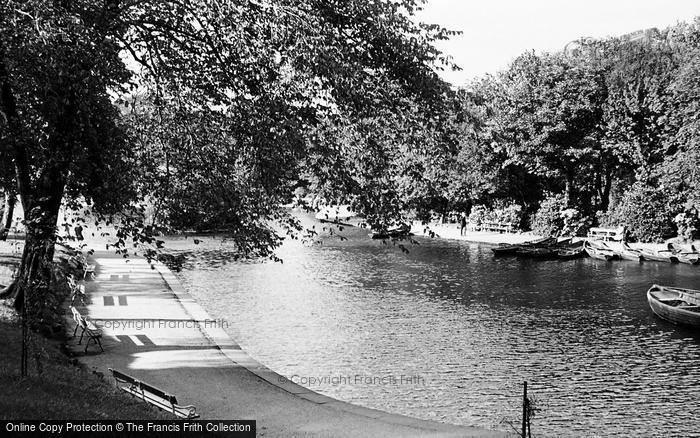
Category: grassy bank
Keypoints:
(64, 390)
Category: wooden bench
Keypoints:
(616, 234)
(78, 260)
(88, 328)
(77, 290)
(497, 227)
(154, 396)
(89, 272)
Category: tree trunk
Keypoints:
(568, 189)
(35, 272)
(36, 268)
(597, 191)
(7, 214)
(605, 198)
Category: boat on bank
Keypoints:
(683, 255)
(541, 253)
(657, 256)
(512, 249)
(676, 305)
(626, 252)
(569, 250)
(599, 251)
(552, 249)
(504, 249)
(571, 253)
(394, 232)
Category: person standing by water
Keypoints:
(463, 224)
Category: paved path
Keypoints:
(452, 231)
(150, 331)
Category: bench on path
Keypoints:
(493, 227)
(89, 272)
(154, 396)
(77, 290)
(77, 260)
(88, 328)
(614, 234)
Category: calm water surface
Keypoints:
(464, 329)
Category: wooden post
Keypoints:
(524, 410)
(23, 364)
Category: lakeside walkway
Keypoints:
(150, 331)
(452, 231)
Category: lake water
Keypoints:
(448, 332)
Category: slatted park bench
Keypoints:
(88, 328)
(89, 272)
(615, 234)
(77, 290)
(154, 396)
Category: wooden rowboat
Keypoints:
(505, 249)
(683, 255)
(657, 256)
(571, 253)
(395, 232)
(536, 253)
(512, 249)
(688, 259)
(677, 305)
(629, 253)
(599, 252)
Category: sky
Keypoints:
(496, 31)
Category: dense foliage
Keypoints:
(209, 114)
(558, 133)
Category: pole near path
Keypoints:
(524, 431)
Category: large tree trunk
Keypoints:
(7, 214)
(36, 268)
(605, 198)
(35, 299)
(569, 189)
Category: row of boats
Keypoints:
(673, 304)
(550, 248)
(674, 253)
(547, 248)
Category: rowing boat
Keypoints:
(506, 249)
(536, 253)
(629, 253)
(682, 255)
(658, 256)
(677, 305)
(600, 252)
(512, 249)
(571, 253)
(396, 232)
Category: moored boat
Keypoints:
(505, 249)
(571, 253)
(537, 253)
(683, 255)
(512, 249)
(657, 256)
(688, 259)
(628, 253)
(677, 305)
(600, 252)
(395, 232)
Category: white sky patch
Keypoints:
(496, 31)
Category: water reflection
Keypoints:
(472, 326)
